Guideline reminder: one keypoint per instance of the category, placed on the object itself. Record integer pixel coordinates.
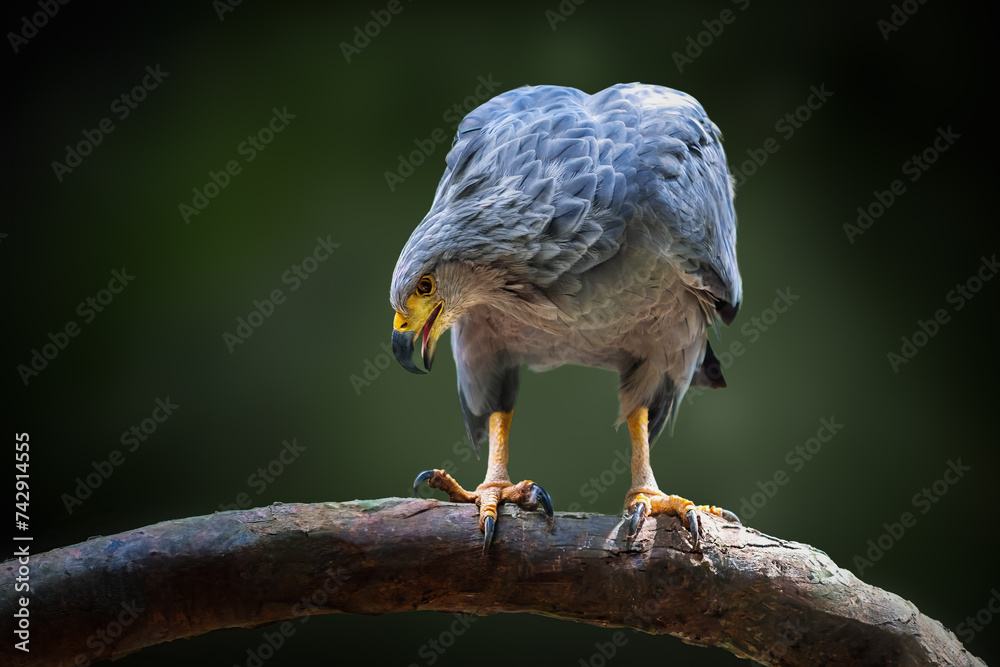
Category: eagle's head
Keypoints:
(430, 296)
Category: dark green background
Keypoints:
(324, 176)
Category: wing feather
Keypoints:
(578, 170)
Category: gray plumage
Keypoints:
(586, 229)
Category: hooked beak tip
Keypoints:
(402, 343)
(402, 349)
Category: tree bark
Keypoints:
(777, 602)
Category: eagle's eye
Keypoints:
(425, 286)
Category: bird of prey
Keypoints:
(569, 228)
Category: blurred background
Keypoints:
(823, 108)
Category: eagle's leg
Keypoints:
(645, 498)
(497, 487)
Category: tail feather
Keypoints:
(710, 373)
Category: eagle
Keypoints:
(568, 228)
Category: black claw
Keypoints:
(692, 518)
(636, 520)
(731, 517)
(421, 478)
(538, 495)
(490, 524)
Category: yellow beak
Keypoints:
(404, 333)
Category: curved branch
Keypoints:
(776, 602)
